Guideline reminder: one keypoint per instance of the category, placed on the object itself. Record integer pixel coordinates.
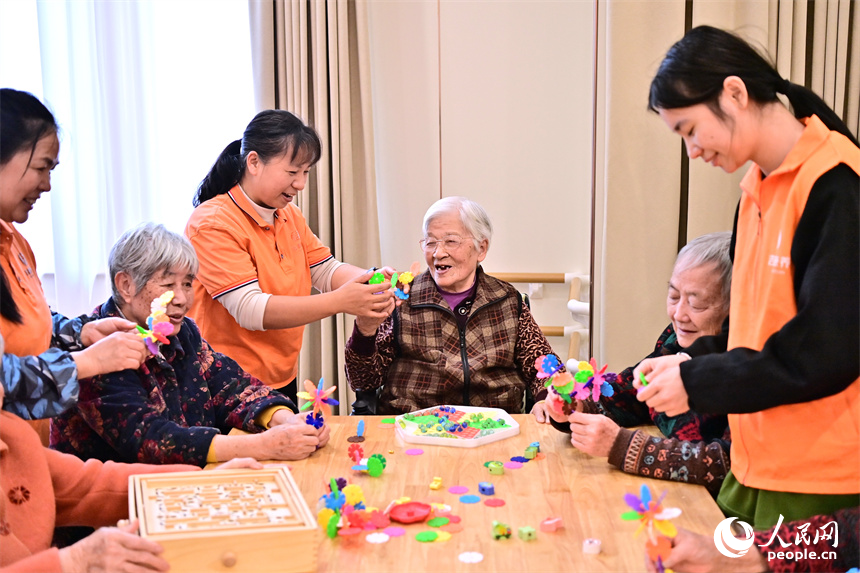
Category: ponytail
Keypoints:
(805, 102)
(224, 175)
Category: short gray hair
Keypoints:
(474, 218)
(710, 249)
(147, 249)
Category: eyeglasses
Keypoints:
(450, 243)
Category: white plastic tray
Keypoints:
(407, 430)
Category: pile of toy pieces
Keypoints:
(448, 422)
(343, 512)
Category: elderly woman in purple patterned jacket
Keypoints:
(462, 337)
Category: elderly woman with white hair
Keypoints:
(696, 446)
(462, 337)
(179, 406)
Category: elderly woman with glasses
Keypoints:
(462, 337)
(179, 406)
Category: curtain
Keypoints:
(134, 86)
(644, 183)
(312, 58)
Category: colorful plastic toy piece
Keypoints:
(551, 524)
(158, 322)
(535, 445)
(496, 468)
(486, 488)
(409, 512)
(527, 533)
(530, 453)
(501, 530)
(375, 465)
(318, 398)
(377, 278)
(436, 483)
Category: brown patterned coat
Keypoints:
(422, 358)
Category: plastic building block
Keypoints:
(486, 488)
(501, 530)
(527, 533)
(496, 468)
(551, 524)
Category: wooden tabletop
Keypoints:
(587, 493)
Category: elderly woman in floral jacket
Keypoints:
(181, 404)
(462, 337)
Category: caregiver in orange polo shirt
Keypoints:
(259, 259)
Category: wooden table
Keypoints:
(587, 493)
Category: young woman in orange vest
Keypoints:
(259, 259)
(789, 377)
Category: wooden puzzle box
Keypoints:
(227, 520)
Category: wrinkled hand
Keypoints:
(113, 550)
(96, 330)
(239, 464)
(665, 391)
(541, 412)
(365, 300)
(593, 434)
(323, 433)
(294, 440)
(696, 553)
(118, 351)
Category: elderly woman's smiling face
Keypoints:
(136, 305)
(453, 267)
(694, 304)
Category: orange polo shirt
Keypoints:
(809, 447)
(33, 335)
(236, 247)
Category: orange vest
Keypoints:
(811, 447)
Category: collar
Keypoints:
(7, 231)
(814, 135)
(251, 209)
(486, 290)
(268, 214)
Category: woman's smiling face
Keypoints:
(23, 178)
(453, 269)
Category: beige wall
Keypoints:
(489, 100)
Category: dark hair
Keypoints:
(24, 120)
(272, 133)
(695, 67)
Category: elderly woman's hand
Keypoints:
(113, 549)
(593, 434)
(665, 391)
(291, 441)
(118, 351)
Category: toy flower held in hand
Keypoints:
(591, 381)
(403, 283)
(318, 398)
(560, 384)
(654, 520)
(158, 323)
